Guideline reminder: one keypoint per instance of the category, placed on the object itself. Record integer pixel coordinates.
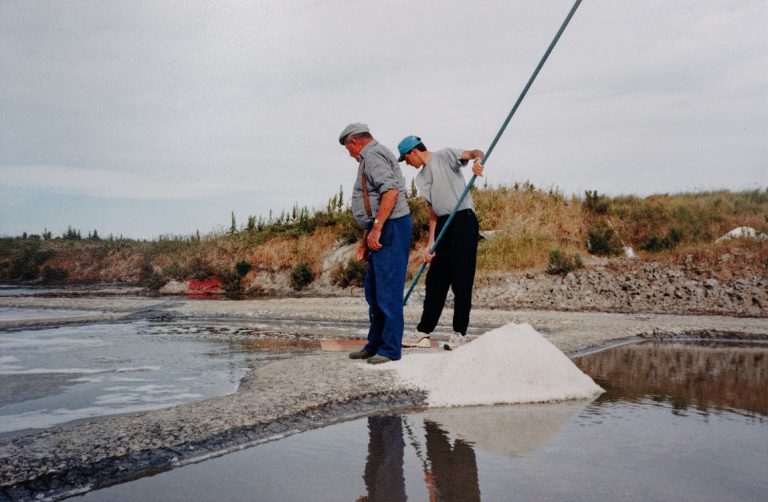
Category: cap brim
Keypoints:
(402, 157)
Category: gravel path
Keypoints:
(280, 398)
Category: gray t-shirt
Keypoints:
(382, 173)
(441, 182)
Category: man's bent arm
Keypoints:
(471, 154)
(388, 200)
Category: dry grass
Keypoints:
(701, 217)
(528, 223)
(284, 253)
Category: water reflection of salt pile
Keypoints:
(508, 365)
(508, 430)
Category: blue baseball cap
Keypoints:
(405, 146)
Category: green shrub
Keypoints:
(155, 281)
(51, 275)
(351, 274)
(145, 272)
(27, 258)
(560, 262)
(420, 216)
(231, 280)
(603, 241)
(301, 276)
(654, 243)
(349, 232)
(594, 203)
(242, 268)
(199, 269)
(175, 271)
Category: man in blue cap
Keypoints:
(441, 183)
(380, 209)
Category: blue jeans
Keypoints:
(384, 283)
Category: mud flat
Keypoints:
(280, 398)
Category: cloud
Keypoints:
(143, 100)
(113, 184)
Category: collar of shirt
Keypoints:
(365, 149)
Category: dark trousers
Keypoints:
(454, 467)
(453, 266)
(384, 283)
(384, 476)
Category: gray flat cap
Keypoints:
(353, 128)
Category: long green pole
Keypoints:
(493, 144)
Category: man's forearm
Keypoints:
(388, 201)
(432, 225)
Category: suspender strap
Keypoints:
(366, 202)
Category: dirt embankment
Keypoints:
(730, 279)
(722, 281)
(734, 285)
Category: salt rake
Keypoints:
(493, 144)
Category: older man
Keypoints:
(441, 183)
(380, 209)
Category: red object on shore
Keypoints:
(208, 286)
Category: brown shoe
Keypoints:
(360, 354)
(379, 360)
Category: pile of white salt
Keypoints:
(508, 365)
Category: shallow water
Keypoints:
(35, 290)
(12, 290)
(51, 376)
(678, 422)
(25, 314)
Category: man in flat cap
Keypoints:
(441, 183)
(380, 209)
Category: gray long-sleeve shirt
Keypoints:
(382, 173)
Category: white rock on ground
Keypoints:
(742, 233)
(508, 365)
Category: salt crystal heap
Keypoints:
(511, 364)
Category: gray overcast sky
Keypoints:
(149, 117)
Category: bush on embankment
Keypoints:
(523, 226)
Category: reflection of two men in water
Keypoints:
(450, 471)
(450, 466)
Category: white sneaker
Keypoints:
(417, 339)
(455, 341)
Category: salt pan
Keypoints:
(508, 365)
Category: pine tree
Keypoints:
(334, 203)
(233, 227)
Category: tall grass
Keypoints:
(527, 224)
(697, 218)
